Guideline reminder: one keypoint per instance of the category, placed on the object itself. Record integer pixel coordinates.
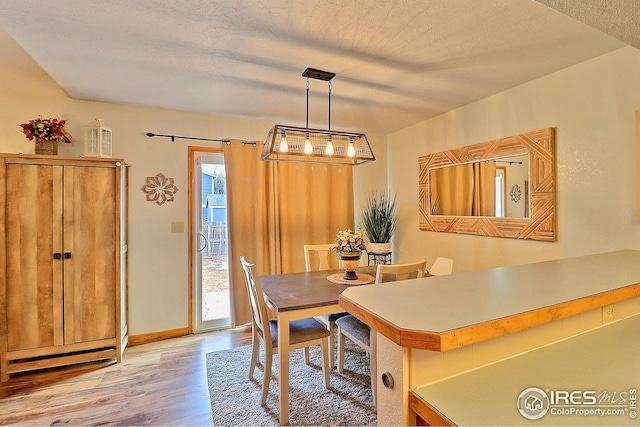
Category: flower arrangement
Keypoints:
(350, 241)
(42, 130)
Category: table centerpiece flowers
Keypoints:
(349, 246)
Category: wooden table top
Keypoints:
(296, 291)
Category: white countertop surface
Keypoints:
(445, 303)
(603, 360)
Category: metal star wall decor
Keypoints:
(516, 193)
(159, 189)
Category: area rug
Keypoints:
(235, 399)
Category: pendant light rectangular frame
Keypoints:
(319, 139)
(296, 144)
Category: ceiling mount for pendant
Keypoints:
(312, 73)
(297, 144)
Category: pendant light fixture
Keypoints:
(297, 144)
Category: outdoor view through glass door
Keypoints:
(212, 303)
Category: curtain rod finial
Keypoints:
(150, 134)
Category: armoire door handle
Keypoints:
(67, 255)
(57, 255)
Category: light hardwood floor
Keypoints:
(163, 383)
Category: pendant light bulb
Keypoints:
(329, 148)
(284, 147)
(351, 151)
(308, 149)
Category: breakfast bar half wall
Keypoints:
(433, 328)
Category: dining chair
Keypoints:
(317, 258)
(320, 257)
(441, 267)
(303, 333)
(359, 332)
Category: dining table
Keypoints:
(295, 296)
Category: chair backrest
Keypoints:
(441, 267)
(259, 312)
(395, 272)
(320, 257)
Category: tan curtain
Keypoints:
(484, 200)
(453, 187)
(274, 209)
(313, 202)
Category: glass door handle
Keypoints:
(203, 239)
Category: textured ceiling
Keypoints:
(396, 62)
(618, 18)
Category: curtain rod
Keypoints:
(507, 161)
(174, 137)
(504, 161)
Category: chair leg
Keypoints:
(325, 363)
(255, 353)
(340, 351)
(268, 359)
(331, 340)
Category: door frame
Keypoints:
(192, 155)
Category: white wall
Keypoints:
(158, 259)
(592, 105)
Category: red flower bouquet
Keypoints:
(41, 130)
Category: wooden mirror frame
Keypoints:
(541, 223)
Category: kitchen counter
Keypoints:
(433, 328)
(445, 312)
(600, 368)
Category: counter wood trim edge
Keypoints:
(449, 340)
(426, 412)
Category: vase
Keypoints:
(378, 248)
(350, 262)
(47, 147)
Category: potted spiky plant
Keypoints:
(379, 221)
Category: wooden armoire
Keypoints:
(63, 248)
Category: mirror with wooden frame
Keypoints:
(501, 188)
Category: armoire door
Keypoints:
(90, 247)
(34, 278)
(61, 255)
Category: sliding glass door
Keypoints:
(210, 261)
